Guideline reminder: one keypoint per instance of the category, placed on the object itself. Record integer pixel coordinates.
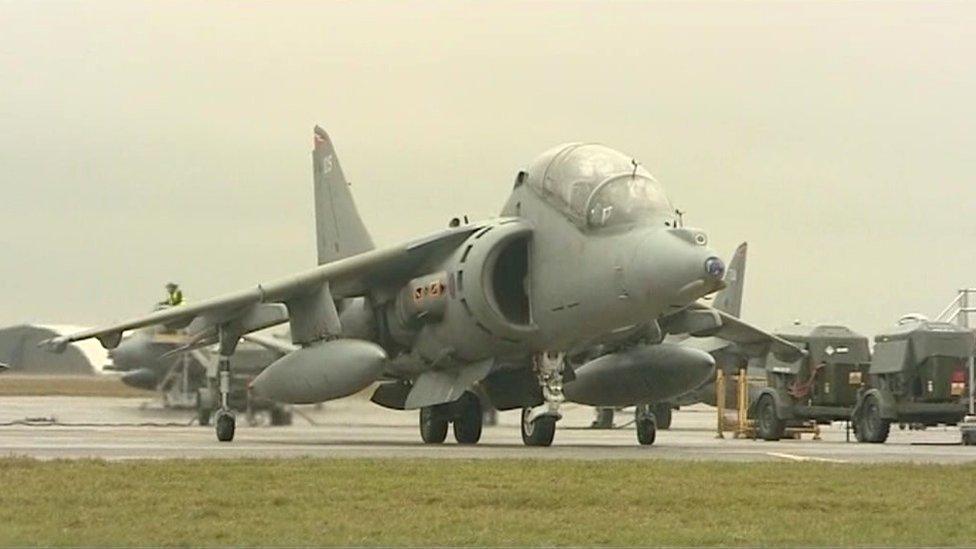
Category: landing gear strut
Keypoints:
(539, 423)
(224, 420)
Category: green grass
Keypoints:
(97, 386)
(489, 502)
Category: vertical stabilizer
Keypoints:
(729, 300)
(339, 230)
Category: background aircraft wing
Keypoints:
(260, 307)
(272, 344)
(719, 327)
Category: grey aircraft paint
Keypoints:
(588, 248)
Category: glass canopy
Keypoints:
(601, 187)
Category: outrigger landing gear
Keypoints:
(539, 423)
(224, 419)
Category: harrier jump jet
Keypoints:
(587, 250)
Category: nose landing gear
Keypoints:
(646, 425)
(539, 423)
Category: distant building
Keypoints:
(19, 350)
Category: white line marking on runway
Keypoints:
(794, 457)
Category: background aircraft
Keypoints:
(170, 362)
(588, 251)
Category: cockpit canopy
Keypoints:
(597, 186)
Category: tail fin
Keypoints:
(339, 230)
(729, 300)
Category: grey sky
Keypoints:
(149, 141)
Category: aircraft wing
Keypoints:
(272, 344)
(721, 330)
(754, 339)
(258, 308)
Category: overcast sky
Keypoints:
(142, 142)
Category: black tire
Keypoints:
(645, 424)
(858, 429)
(204, 410)
(225, 425)
(539, 432)
(280, 415)
(604, 419)
(662, 415)
(969, 438)
(433, 426)
(770, 426)
(468, 421)
(203, 415)
(875, 427)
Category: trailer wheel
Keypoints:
(771, 427)
(875, 427)
(858, 429)
(969, 437)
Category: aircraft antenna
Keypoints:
(633, 174)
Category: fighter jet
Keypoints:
(588, 249)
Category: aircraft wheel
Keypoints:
(467, 424)
(203, 415)
(662, 415)
(875, 427)
(204, 406)
(433, 427)
(645, 423)
(604, 419)
(539, 432)
(225, 425)
(280, 415)
(771, 427)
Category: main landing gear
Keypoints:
(465, 415)
(539, 423)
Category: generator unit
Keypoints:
(920, 374)
(821, 387)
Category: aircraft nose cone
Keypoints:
(715, 268)
(676, 267)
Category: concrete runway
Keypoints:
(121, 428)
